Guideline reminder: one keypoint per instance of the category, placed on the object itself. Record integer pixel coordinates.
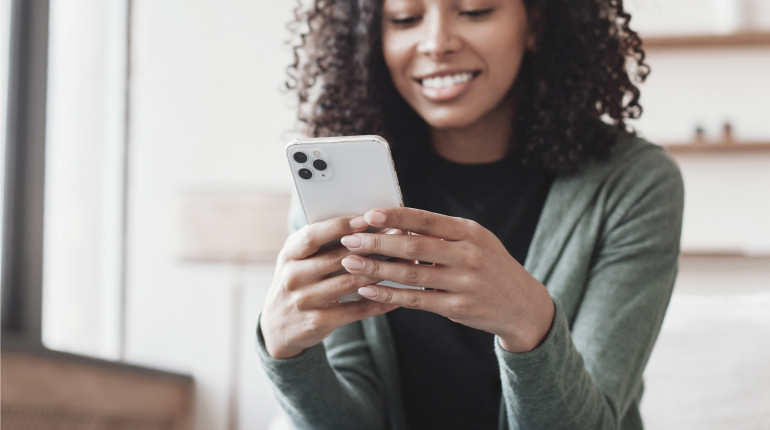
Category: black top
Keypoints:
(450, 378)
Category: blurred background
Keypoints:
(146, 191)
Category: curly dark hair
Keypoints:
(576, 92)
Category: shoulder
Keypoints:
(640, 195)
(636, 172)
(633, 159)
(639, 159)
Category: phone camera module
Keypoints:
(305, 173)
(319, 165)
(300, 157)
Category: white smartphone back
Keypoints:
(356, 175)
(347, 175)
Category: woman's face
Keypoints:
(454, 61)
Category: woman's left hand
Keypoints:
(476, 282)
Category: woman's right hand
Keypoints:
(302, 306)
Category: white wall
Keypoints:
(206, 112)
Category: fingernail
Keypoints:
(358, 223)
(374, 217)
(352, 241)
(368, 292)
(352, 263)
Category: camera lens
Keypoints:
(319, 164)
(300, 157)
(305, 173)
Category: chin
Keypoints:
(443, 118)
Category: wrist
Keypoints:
(274, 347)
(532, 333)
(283, 353)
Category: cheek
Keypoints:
(396, 51)
(503, 52)
(504, 68)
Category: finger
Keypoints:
(408, 247)
(416, 275)
(321, 265)
(346, 313)
(431, 301)
(328, 261)
(421, 222)
(328, 291)
(310, 238)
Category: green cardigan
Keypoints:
(606, 247)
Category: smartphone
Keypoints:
(338, 176)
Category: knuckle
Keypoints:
(347, 281)
(292, 246)
(412, 300)
(290, 280)
(342, 224)
(336, 256)
(307, 237)
(426, 221)
(376, 268)
(301, 302)
(474, 258)
(396, 216)
(465, 280)
(375, 242)
(322, 261)
(283, 255)
(314, 322)
(458, 307)
(340, 227)
(413, 275)
(317, 264)
(414, 248)
(387, 296)
(472, 225)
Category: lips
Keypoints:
(445, 86)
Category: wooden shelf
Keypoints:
(723, 255)
(698, 147)
(735, 40)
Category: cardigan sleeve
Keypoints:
(588, 375)
(333, 385)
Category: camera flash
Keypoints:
(316, 153)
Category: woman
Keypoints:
(560, 229)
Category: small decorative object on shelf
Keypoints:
(727, 133)
(700, 134)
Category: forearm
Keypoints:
(315, 396)
(550, 388)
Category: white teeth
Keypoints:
(447, 81)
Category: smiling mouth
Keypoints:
(445, 81)
(446, 87)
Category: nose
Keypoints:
(439, 38)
